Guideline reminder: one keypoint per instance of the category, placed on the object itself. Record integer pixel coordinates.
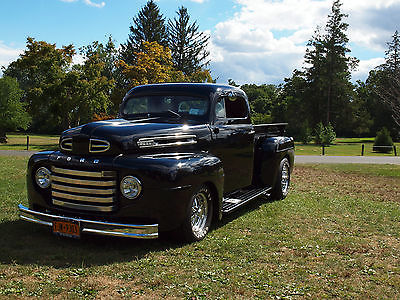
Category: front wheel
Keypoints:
(198, 216)
(281, 188)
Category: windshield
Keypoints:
(170, 107)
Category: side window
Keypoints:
(236, 108)
(220, 109)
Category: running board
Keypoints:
(238, 198)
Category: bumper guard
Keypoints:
(91, 226)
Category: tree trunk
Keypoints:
(3, 137)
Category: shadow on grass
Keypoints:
(25, 243)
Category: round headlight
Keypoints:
(42, 177)
(130, 187)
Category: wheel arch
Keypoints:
(216, 197)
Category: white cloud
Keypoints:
(266, 39)
(89, 2)
(365, 66)
(8, 54)
(198, 1)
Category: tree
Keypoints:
(152, 65)
(329, 72)
(13, 113)
(58, 94)
(188, 45)
(40, 72)
(107, 55)
(388, 86)
(149, 26)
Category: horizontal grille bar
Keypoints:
(64, 188)
(83, 173)
(83, 206)
(83, 181)
(82, 198)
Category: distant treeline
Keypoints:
(44, 91)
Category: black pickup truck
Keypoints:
(178, 157)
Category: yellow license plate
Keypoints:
(67, 228)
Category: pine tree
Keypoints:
(149, 26)
(392, 55)
(329, 71)
(188, 45)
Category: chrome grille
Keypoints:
(97, 146)
(83, 190)
(66, 144)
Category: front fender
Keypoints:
(169, 180)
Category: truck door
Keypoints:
(233, 141)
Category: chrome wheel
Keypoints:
(281, 187)
(285, 178)
(200, 213)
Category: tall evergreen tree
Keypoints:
(392, 55)
(188, 45)
(329, 74)
(149, 26)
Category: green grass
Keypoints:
(36, 142)
(343, 147)
(364, 169)
(337, 235)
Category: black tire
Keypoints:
(282, 184)
(198, 216)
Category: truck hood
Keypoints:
(125, 136)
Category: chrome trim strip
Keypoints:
(100, 174)
(34, 220)
(83, 206)
(93, 227)
(105, 146)
(176, 140)
(82, 181)
(122, 234)
(65, 188)
(82, 198)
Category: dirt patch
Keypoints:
(378, 188)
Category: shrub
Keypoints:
(324, 135)
(305, 135)
(383, 142)
(259, 118)
(329, 135)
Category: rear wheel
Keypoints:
(198, 216)
(282, 184)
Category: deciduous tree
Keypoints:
(388, 87)
(13, 113)
(152, 65)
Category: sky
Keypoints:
(251, 41)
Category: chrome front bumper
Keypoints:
(92, 227)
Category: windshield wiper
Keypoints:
(165, 113)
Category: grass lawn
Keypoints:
(344, 146)
(36, 142)
(337, 235)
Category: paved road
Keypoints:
(299, 159)
(16, 153)
(309, 159)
